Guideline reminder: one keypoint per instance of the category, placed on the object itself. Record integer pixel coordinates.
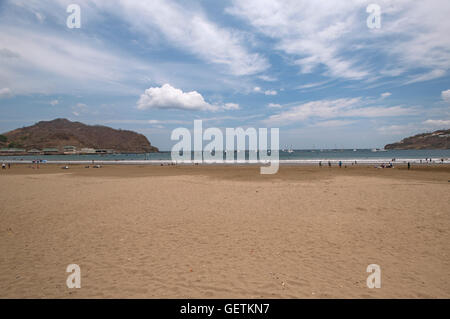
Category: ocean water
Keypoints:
(296, 157)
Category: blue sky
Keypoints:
(311, 68)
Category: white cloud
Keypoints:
(402, 130)
(339, 108)
(257, 89)
(311, 31)
(6, 53)
(188, 28)
(320, 34)
(87, 60)
(228, 117)
(321, 108)
(5, 92)
(334, 123)
(168, 97)
(143, 122)
(379, 111)
(76, 64)
(54, 102)
(431, 75)
(79, 109)
(267, 78)
(413, 128)
(231, 106)
(312, 85)
(167, 122)
(270, 92)
(40, 17)
(446, 95)
(385, 95)
(274, 105)
(440, 123)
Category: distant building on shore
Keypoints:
(34, 151)
(104, 151)
(69, 149)
(87, 150)
(65, 150)
(50, 151)
(12, 150)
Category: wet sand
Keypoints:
(224, 232)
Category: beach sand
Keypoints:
(224, 232)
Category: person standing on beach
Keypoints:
(3, 166)
(409, 165)
(320, 163)
(329, 164)
(9, 165)
(340, 164)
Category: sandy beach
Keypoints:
(224, 232)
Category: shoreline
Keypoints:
(324, 161)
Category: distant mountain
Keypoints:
(62, 132)
(438, 140)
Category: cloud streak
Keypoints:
(338, 108)
(446, 95)
(190, 29)
(333, 35)
(5, 92)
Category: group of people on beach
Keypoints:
(430, 160)
(4, 165)
(36, 163)
(339, 163)
(390, 165)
